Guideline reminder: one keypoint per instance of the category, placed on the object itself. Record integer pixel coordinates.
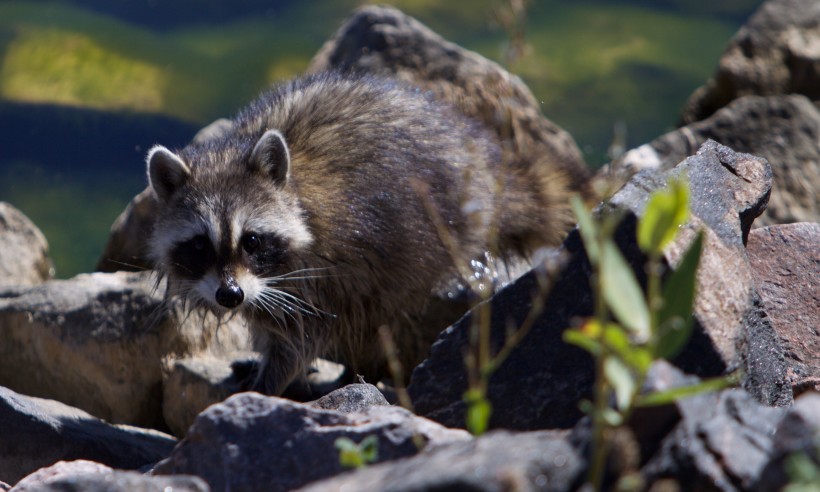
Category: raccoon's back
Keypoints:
(375, 164)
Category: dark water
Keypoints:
(86, 86)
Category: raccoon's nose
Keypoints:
(229, 296)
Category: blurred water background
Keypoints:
(87, 86)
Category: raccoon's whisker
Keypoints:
(277, 304)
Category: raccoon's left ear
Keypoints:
(271, 156)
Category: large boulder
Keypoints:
(24, 256)
(252, 442)
(776, 52)
(37, 433)
(541, 382)
(783, 129)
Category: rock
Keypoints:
(497, 461)
(24, 256)
(60, 471)
(541, 382)
(353, 398)
(785, 263)
(384, 41)
(127, 245)
(229, 442)
(192, 385)
(92, 342)
(723, 442)
(38, 433)
(776, 52)
(99, 342)
(785, 130)
(117, 481)
(797, 435)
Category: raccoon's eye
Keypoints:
(199, 242)
(251, 243)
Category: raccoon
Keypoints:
(334, 205)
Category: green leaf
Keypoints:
(622, 381)
(587, 228)
(670, 396)
(352, 455)
(675, 317)
(369, 448)
(622, 293)
(479, 410)
(587, 336)
(665, 212)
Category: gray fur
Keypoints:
(374, 193)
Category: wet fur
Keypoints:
(374, 166)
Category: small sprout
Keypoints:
(352, 455)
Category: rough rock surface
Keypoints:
(228, 441)
(89, 342)
(385, 41)
(37, 433)
(783, 129)
(99, 342)
(118, 481)
(785, 262)
(59, 471)
(543, 379)
(191, 385)
(24, 256)
(496, 462)
(776, 52)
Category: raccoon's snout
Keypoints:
(229, 295)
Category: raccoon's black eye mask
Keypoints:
(193, 257)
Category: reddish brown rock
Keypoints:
(785, 262)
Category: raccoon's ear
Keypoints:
(166, 172)
(271, 156)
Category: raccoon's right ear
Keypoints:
(166, 172)
(271, 156)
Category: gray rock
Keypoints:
(496, 462)
(723, 442)
(384, 41)
(24, 256)
(783, 129)
(92, 342)
(542, 381)
(100, 342)
(776, 52)
(785, 263)
(59, 471)
(193, 384)
(121, 481)
(797, 435)
(353, 398)
(253, 442)
(38, 433)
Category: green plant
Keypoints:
(630, 329)
(352, 455)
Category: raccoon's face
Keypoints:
(225, 232)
